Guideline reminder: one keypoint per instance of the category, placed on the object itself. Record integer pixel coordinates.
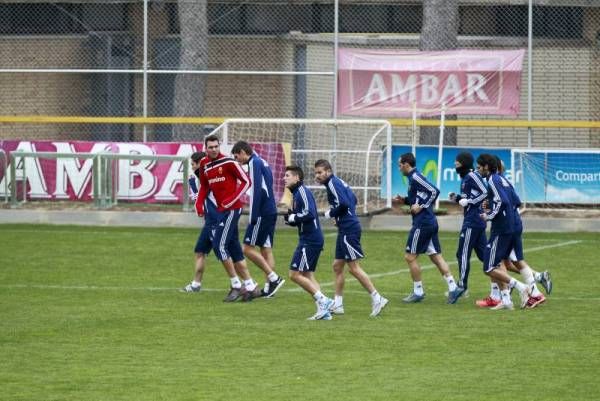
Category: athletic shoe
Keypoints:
(336, 309)
(326, 316)
(233, 295)
(532, 302)
(323, 307)
(454, 295)
(487, 302)
(464, 294)
(190, 288)
(546, 281)
(525, 295)
(248, 296)
(378, 306)
(273, 287)
(501, 306)
(413, 298)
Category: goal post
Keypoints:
(557, 178)
(360, 152)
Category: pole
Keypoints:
(440, 148)
(529, 70)
(145, 75)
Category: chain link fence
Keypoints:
(273, 59)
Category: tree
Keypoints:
(439, 32)
(193, 55)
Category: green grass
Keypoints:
(93, 313)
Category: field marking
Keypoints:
(328, 284)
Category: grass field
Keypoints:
(93, 313)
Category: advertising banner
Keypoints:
(391, 83)
(134, 180)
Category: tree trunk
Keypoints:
(439, 32)
(193, 55)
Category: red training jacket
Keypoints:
(225, 179)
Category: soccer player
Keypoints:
(204, 242)
(263, 215)
(503, 237)
(472, 234)
(220, 175)
(423, 236)
(342, 208)
(303, 215)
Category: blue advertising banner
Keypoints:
(427, 164)
(541, 176)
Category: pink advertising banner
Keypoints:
(139, 181)
(391, 83)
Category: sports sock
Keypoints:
(495, 293)
(235, 282)
(517, 284)
(249, 284)
(537, 276)
(529, 279)
(418, 288)
(451, 282)
(318, 296)
(375, 296)
(272, 276)
(505, 296)
(196, 284)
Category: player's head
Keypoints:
(196, 157)
(407, 163)
(242, 151)
(212, 146)
(499, 165)
(293, 176)
(323, 171)
(463, 163)
(486, 164)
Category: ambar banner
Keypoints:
(391, 83)
(134, 180)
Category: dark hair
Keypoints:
(296, 171)
(489, 160)
(499, 166)
(408, 158)
(211, 138)
(465, 159)
(323, 163)
(197, 156)
(242, 145)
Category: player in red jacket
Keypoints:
(222, 176)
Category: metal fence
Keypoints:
(274, 59)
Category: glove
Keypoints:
(287, 216)
(452, 196)
(328, 214)
(463, 202)
(291, 218)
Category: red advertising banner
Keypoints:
(134, 180)
(392, 83)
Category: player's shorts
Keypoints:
(497, 249)
(262, 233)
(348, 247)
(423, 240)
(517, 252)
(225, 242)
(306, 258)
(204, 242)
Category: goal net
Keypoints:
(552, 178)
(359, 151)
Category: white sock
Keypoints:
(272, 276)
(338, 300)
(517, 284)
(451, 282)
(505, 296)
(495, 293)
(529, 279)
(235, 282)
(249, 284)
(537, 276)
(375, 296)
(418, 288)
(318, 296)
(196, 284)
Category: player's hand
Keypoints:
(452, 196)
(416, 208)
(463, 202)
(286, 216)
(328, 214)
(193, 196)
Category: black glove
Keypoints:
(286, 216)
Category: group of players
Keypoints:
(485, 195)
